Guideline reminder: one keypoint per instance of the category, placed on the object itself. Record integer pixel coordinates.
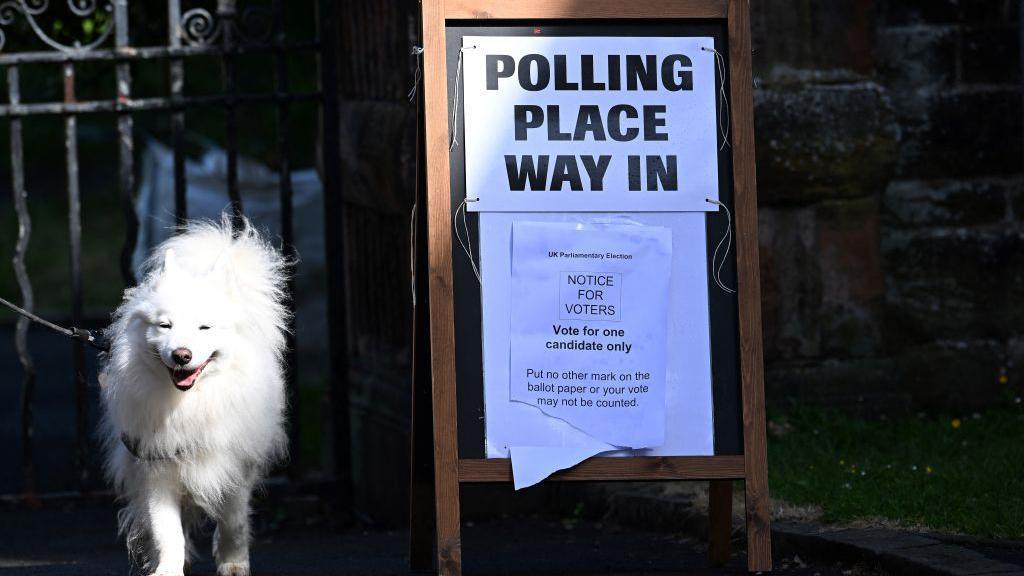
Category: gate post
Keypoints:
(334, 249)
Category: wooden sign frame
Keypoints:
(449, 470)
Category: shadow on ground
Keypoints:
(81, 541)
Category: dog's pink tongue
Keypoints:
(184, 378)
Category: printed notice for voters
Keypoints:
(589, 327)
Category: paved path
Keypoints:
(891, 550)
(81, 542)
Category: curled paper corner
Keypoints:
(532, 464)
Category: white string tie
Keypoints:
(467, 246)
(716, 271)
(723, 120)
(417, 51)
(455, 105)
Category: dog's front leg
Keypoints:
(164, 505)
(231, 538)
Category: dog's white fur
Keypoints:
(202, 450)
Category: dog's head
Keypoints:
(190, 320)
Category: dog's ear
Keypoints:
(170, 263)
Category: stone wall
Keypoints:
(378, 160)
(889, 164)
(889, 149)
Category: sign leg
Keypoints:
(759, 535)
(421, 521)
(421, 465)
(719, 521)
(439, 278)
(759, 547)
(449, 537)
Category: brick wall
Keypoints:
(889, 163)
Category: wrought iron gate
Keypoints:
(224, 33)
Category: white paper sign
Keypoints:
(597, 124)
(589, 327)
(539, 444)
(531, 464)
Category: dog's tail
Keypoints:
(253, 270)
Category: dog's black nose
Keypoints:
(182, 356)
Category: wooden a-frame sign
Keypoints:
(435, 507)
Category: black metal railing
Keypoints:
(227, 33)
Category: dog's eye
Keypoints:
(204, 327)
(165, 325)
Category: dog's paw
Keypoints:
(233, 569)
(166, 573)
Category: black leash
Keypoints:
(80, 334)
(87, 337)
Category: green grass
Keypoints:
(961, 473)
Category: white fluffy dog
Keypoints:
(193, 394)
